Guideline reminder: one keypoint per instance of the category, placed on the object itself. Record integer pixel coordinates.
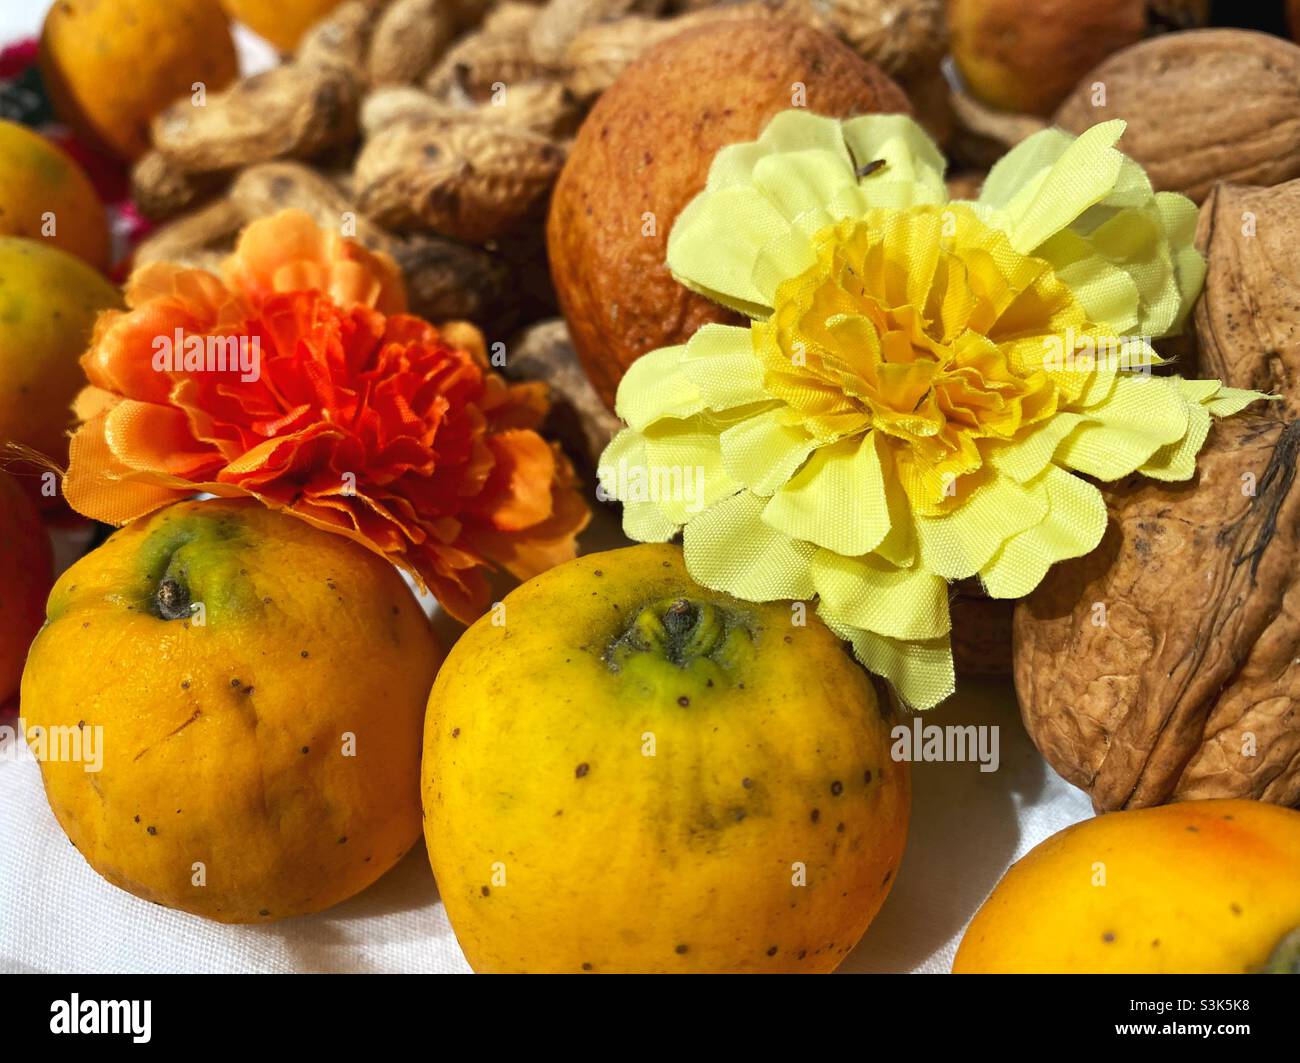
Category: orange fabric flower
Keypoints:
(349, 413)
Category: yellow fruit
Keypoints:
(1191, 888)
(626, 772)
(111, 65)
(260, 755)
(48, 304)
(282, 22)
(25, 576)
(43, 188)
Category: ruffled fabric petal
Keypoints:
(811, 504)
(1073, 525)
(729, 548)
(1125, 250)
(763, 199)
(1140, 415)
(921, 672)
(868, 592)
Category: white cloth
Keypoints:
(967, 827)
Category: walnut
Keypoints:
(1248, 319)
(1165, 665)
(1201, 106)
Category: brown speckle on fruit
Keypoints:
(580, 772)
(682, 950)
(837, 788)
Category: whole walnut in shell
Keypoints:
(1201, 106)
(1248, 317)
(644, 152)
(1165, 666)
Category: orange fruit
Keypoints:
(282, 22)
(625, 771)
(1196, 887)
(25, 578)
(1026, 57)
(45, 195)
(111, 65)
(253, 688)
(48, 304)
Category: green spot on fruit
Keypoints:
(682, 638)
(194, 561)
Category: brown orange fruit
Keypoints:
(644, 152)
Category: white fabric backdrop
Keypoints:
(967, 827)
(56, 914)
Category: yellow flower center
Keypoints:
(926, 325)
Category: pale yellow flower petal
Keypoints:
(1049, 179)
(920, 671)
(729, 548)
(1140, 415)
(763, 451)
(1095, 236)
(913, 166)
(715, 240)
(788, 131)
(643, 521)
(719, 360)
(1073, 526)
(869, 593)
(960, 542)
(1177, 461)
(655, 386)
(811, 505)
(1105, 292)
(1227, 401)
(684, 462)
(1028, 455)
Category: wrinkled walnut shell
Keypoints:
(1248, 317)
(1201, 106)
(1150, 670)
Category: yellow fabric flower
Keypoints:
(921, 381)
